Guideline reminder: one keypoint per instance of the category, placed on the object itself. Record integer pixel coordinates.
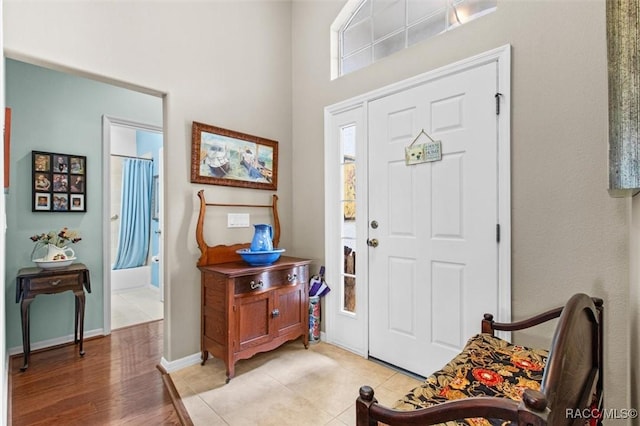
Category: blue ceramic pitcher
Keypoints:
(262, 238)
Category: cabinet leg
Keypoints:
(205, 357)
(79, 326)
(75, 320)
(231, 371)
(26, 332)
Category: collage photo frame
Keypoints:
(58, 182)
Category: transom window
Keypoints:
(369, 30)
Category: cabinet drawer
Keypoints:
(268, 279)
(54, 283)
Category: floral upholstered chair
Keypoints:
(487, 366)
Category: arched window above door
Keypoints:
(368, 30)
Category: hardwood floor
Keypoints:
(116, 382)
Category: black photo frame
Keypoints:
(59, 182)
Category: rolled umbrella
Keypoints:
(317, 285)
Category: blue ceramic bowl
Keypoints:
(260, 258)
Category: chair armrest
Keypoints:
(489, 325)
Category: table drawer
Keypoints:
(54, 283)
(268, 279)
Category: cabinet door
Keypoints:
(253, 319)
(290, 302)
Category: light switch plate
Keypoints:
(237, 220)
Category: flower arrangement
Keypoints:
(58, 239)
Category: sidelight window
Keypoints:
(348, 205)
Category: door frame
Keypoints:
(502, 57)
(107, 123)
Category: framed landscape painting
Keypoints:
(225, 157)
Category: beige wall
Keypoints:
(263, 68)
(222, 63)
(568, 235)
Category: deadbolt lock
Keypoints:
(374, 224)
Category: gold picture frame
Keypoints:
(226, 157)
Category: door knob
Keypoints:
(372, 242)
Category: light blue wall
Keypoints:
(56, 112)
(151, 142)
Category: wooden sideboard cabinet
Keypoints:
(246, 310)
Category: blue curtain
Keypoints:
(135, 213)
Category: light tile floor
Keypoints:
(287, 386)
(135, 306)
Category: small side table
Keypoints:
(31, 282)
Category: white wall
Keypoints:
(123, 141)
(568, 234)
(225, 63)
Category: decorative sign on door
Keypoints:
(424, 152)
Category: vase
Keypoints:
(59, 253)
(262, 238)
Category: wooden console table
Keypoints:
(31, 282)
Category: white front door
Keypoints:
(434, 271)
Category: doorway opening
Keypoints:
(133, 157)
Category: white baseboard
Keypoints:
(178, 364)
(55, 342)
